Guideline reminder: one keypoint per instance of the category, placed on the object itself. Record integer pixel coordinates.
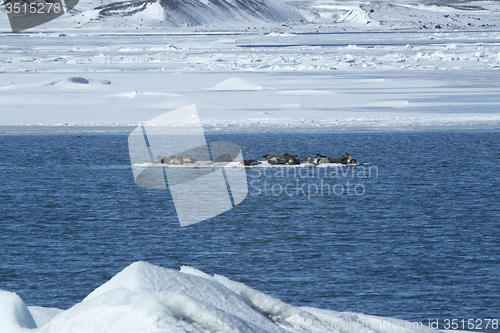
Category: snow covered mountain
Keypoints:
(202, 12)
(176, 13)
(305, 15)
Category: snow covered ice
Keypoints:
(432, 67)
(148, 298)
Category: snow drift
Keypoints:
(236, 83)
(148, 298)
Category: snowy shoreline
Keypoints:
(469, 125)
(86, 82)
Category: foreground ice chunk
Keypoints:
(146, 298)
(14, 315)
(43, 315)
(264, 303)
(119, 310)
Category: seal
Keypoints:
(346, 159)
(292, 160)
(342, 159)
(187, 159)
(318, 157)
(161, 159)
(322, 160)
(276, 161)
(351, 160)
(249, 162)
(175, 160)
(179, 159)
(307, 160)
(280, 156)
(224, 158)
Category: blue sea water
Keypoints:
(419, 242)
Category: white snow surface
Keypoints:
(146, 298)
(236, 83)
(13, 313)
(43, 315)
(374, 65)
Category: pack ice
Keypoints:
(147, 298)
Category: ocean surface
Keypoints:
(416, 239)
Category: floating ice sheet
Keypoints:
(146, 298)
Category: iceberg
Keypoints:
(147, 298)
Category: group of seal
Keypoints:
(277, 159)
(280, 159)
(272, 159)
(344, 159)
(182, 159)
(175, 159)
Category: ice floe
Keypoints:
(146, 298)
